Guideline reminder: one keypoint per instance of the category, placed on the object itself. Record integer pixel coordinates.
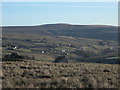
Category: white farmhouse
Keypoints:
(43, 52)
(63, 50)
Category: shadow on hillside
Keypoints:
(16, 57)
(64, 59)
(103, 61)
(11, 59)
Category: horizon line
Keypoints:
(57, 23)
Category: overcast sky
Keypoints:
(38, 13)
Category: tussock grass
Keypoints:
(36, 74)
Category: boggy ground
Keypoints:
(36, 74)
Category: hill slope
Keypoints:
(85, 31)
(59, 75)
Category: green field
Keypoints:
(34, 45)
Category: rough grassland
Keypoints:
(36, 74)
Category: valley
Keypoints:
(77, 54)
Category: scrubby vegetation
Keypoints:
(55, 56)
(35, 74)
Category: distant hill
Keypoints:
(103, 32)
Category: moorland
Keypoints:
(91, 52)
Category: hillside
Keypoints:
(30, 56)
(78, 49)
(103, 32)
(35, 74)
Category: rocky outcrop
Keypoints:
(12, 57)
(61, 58)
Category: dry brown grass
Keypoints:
(36, 74)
